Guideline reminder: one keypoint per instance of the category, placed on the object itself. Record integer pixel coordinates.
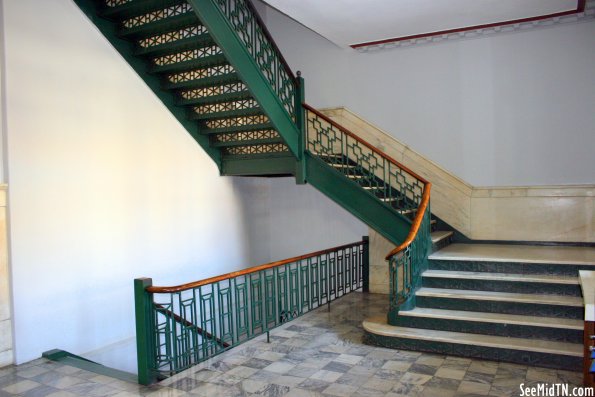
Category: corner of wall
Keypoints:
(6, 340)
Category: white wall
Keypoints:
(508, 109)
(105, 186)
(304, 220)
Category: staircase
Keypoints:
(214, 65)
(513, 303)
(172, 49)
(216, 68)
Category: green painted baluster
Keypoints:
(365, 264)
(300, 120)
(145, 328)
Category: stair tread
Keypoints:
(240, 128)
(226, 114)
(196, 63)
(527, 278)
(204, 82)
(517, 254)
(158, 26)
(561, 300)
(179, 45)
(378, 326)
(206, 100)
(501, 318)
(440, 235)
(248, 142)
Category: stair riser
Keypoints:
(502, 286)
(531, 309)
(440, 244)
(556, 361)
(507, 267)
(509, 330)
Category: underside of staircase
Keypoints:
(176, 55)
(515, 303)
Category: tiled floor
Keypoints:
(319, 354)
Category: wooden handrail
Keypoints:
(250, 270)
(421, 211)
(364, 142)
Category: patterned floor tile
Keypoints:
(317, 355)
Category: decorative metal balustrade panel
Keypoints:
(256, 149)
(237, 122)
(196, 324)
(198, 93)
(241, 16)
(185, 56)
(171, 37)
(246, 136)
(405, 268)
(115, 3)
(243, 104)
(157, 15)
(203, 73)
(359, 162)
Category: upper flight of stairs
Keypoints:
(172, 50)
(512, 303)
(209, 76)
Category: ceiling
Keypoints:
(350, 22)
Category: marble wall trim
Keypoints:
(509, 213)
(6, 340)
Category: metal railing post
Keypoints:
(366, 264)
(300, 121)
(143, 302)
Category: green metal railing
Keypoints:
(247, 24)
(389, 181)
(180, 326)
(406, 263)
(378, 173)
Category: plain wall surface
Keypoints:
(509, 109)
(106, 186)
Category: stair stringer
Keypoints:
(356, 200)
(126, 50)
(238, 56)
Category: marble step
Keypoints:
(497, 324)
(537, 352)
(502, 282)
(522, 278)
(496, 318)
(538, 299)
(533, 304)
(515, 259)
(518, 254)
(440, 235)
(378, 326)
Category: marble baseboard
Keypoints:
(6, 358)
(525, 213)
(6, 353)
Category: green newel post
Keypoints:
(144, 330)
(366, 264)
(300, 121)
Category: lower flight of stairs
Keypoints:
(514, 303)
